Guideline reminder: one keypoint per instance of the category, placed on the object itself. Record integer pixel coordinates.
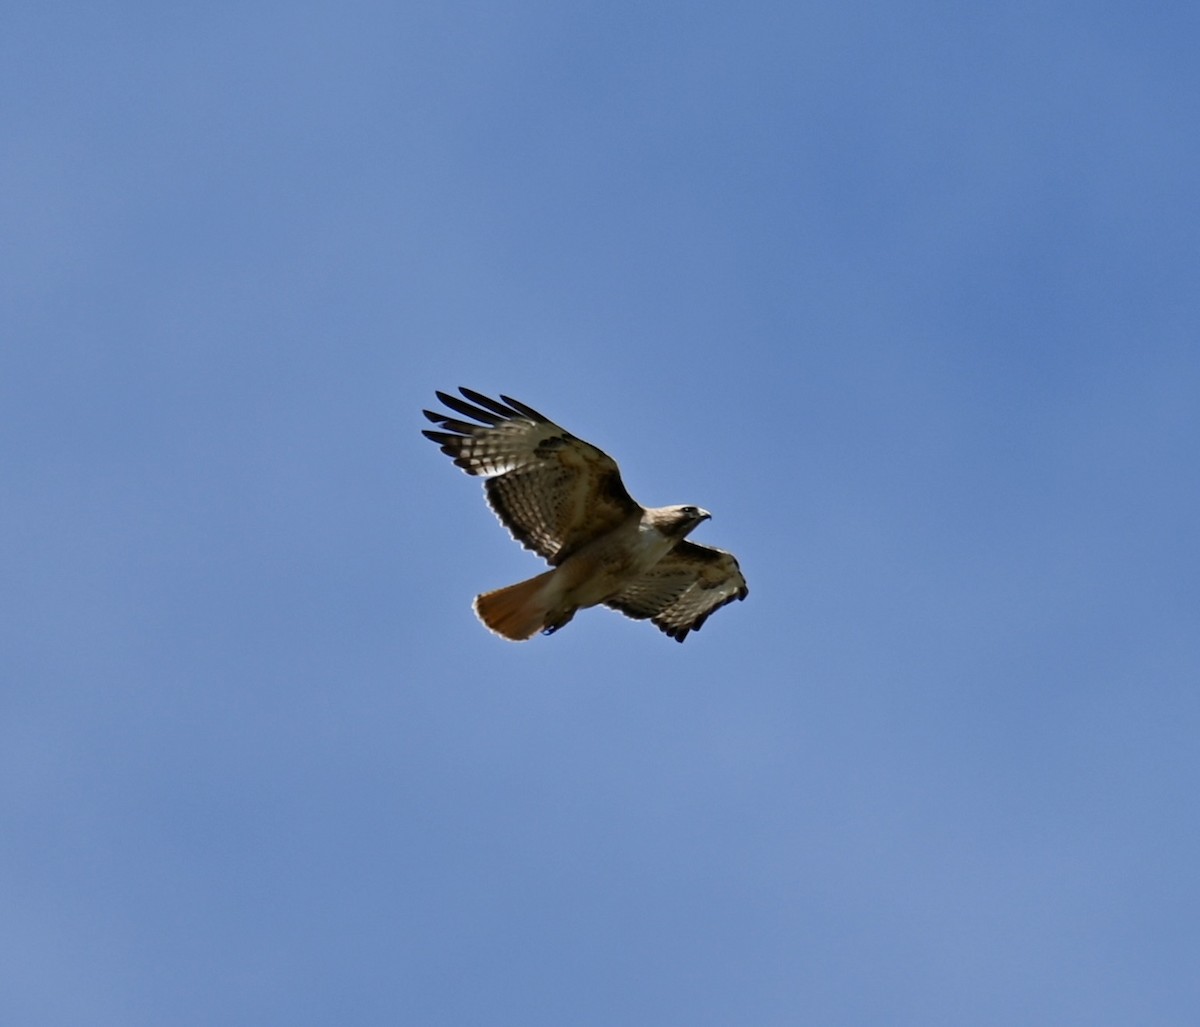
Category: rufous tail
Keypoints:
(517, 612)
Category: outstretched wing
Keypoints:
(554, 492)
(684, 587)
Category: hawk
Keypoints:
(564, 499)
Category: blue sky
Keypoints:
(905, 294)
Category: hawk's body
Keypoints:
(564, 499)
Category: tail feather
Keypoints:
(517, 612)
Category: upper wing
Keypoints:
(684, 587)
(554, 492)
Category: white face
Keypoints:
(689, 517)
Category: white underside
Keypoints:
(602, 569)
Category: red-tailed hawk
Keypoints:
(563, 498)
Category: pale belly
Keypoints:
(602, 569)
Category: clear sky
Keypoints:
(906, 294)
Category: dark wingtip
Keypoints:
(487, 412)
(523, 408)
(485, 401)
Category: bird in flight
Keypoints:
(564, 499)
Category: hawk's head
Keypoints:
(678, 521)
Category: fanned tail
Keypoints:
(517, 612)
